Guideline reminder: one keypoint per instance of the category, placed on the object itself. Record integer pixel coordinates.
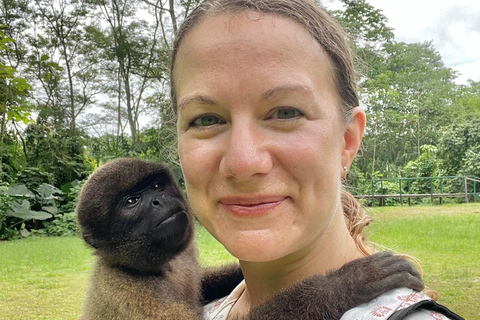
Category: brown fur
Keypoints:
(118, 295)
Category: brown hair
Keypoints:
(331, 38)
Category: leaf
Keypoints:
(25, 233)
(66, 187)
(19, 191)
(44, 57)
(48, 192)
(22, 211)
(21, 84)
(50, 209)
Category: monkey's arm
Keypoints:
(219, 282)
(329, 297)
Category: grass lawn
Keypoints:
(46, 278)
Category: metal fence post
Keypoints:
(466, 190)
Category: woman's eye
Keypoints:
(286, 113)
(132, 200)
(205, 121)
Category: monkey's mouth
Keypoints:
(170, 218)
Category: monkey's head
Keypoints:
(133, 213)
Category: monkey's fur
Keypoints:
(134, 215)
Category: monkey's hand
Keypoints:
(329, 297)
(220, 282)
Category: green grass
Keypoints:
(446, 241)
(46, 278)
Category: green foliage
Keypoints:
(33, 177)
(467, 100)
(12, 159)
(459, 147)
(424, 166)
(56, 151)
(471, 162)
(65, 221)
(14, 108)
(406, 89)
(5, 207)
(407, 104)
(28, 208)
(13, 90)
(107, 147)
(63, 225)
(364, 23)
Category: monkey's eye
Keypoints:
(158, 186)
(132, 200)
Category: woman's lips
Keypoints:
(251, 206)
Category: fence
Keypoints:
(467, 187)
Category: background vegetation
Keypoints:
(46, 278)
(79, 77)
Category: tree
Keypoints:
(13, 105)
(459, 147)
(141, 58)
(62, 32)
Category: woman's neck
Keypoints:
(333, 249)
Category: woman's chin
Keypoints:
(255, 246)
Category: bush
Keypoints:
(5, 206)
(27, 208)
(63, 225)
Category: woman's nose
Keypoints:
(246, 154)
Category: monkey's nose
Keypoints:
(155, 202)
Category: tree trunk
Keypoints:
(70, 83)
(119, 104)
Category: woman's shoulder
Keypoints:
(389, 305)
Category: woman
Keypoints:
(268, 125)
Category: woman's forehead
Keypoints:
(235, 42)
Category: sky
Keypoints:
(453, 25)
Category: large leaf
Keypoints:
(22, 210)
(50, 209)
(19, 191)
(48, 192)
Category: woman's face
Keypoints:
(260, 135)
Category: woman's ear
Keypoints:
(353, 137)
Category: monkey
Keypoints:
(134, 215)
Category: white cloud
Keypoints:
(454, 27)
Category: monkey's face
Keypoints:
(155, 212)
(133, 213)
(154, 217)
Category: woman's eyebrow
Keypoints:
(284, 89)
(202, 99)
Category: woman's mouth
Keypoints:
(250, 207)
